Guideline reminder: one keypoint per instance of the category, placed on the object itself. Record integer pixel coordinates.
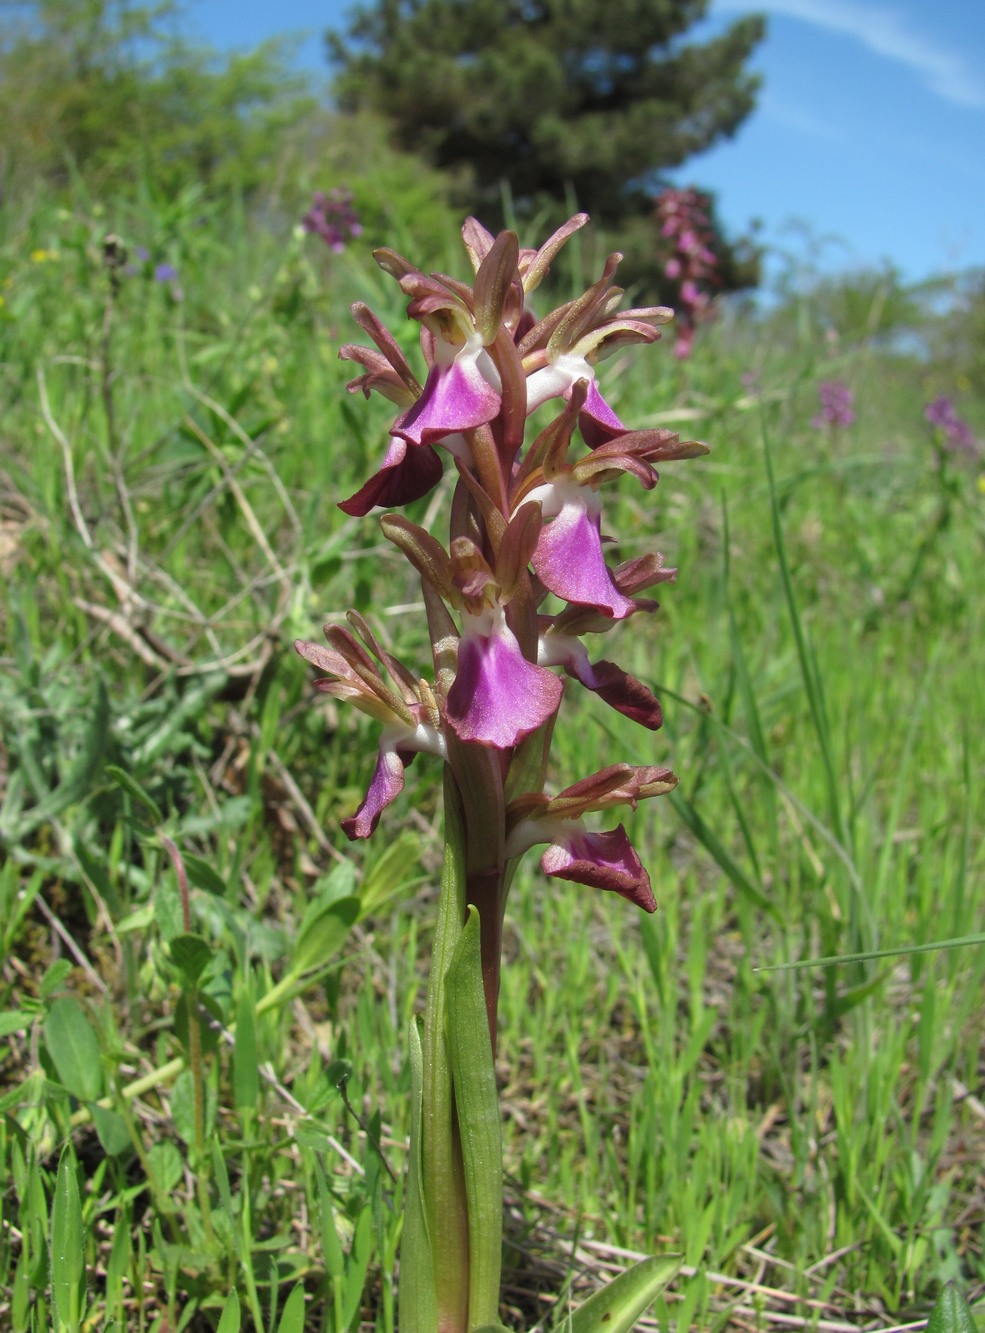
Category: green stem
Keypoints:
(443, 1180)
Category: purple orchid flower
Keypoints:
(498, 696)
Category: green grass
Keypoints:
(810, 1138)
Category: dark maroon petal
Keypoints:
(602, 861)
(408, 472)
(623, 692)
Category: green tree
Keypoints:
(106, 87)
(553, 98)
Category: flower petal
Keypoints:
(405, 475)
(498, 697)
(456, 397)
(597, 421)
(603, 861)
(386, 786)
(568, 559)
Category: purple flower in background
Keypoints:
(956, 434)
(333, 217)
(165, 273)
(684, 221)
(837, 405)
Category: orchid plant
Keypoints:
(510, 600)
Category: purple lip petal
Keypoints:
(456, 397)
(498, 697)
(597, 421)
(386, 786)
(405, 475)
(603, 861)
(568, 561)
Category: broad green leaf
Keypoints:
(67, 1249)
(321, 938)
(111, 1128)
(183, 1106)
(229, 1320)
(74, 1050)
(167, 1164)
(477, 1107)
(951, 1313)
(203, 875)
(292, 1316)
(617, 1307)
(191, 955)
(14, 1020)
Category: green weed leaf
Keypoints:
(229, 1320)
(951, 1313)
(191, 955)
(67, 1249)
(616, 1308)
(322, 936)
(292, 1316)
(133, 789)
(246, 1076)
(74, 1050)
(201, 873)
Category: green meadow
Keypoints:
(810, 1137)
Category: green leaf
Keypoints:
(246, 1075)
(330, 1247)
(74, 1050)
(292, 1316)
(229, 1320)
(203, 875)
(78, 781)
(951, 1313)
(323, 936)
(616, 1308)
(191, 955)
(67, 1249)
(389, 875)
(111, 1128)
(418, 1301)
(133, 789)
(477, 1108)
(359, 1257)
(53, 978)
(14, 1020)
(167, 1164)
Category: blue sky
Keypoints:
(868, 144)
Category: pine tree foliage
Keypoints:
(585, 98)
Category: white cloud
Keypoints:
(885, 32)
